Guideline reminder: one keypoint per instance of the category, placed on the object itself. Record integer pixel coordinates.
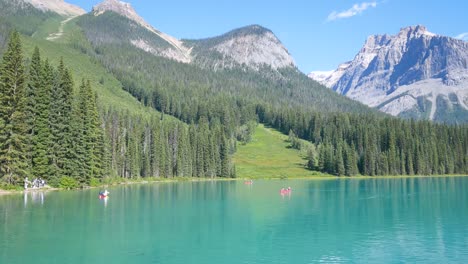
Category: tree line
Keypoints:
(350, 144)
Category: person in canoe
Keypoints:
(103, 194)
(285, 190)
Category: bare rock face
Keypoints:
(177, 51)
(401, 73)
(122, 8)
(57, 6)
(252, 46)
(256, 49)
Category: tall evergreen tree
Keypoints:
(34, 84)
(13, 129)
(41, 136)
(339, 161)
(61, 120)
(98, 140)
(350, 162)
(224, 153)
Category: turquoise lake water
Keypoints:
(331, 221)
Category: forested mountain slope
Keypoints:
(147, 76)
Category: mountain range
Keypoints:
(415, 73)
(251, 46)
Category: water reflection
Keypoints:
(36, 197)
(104, 200)
(285, 195)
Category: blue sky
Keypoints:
(319, 34)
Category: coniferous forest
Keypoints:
(51, 128)
(347, 144)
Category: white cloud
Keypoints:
(463, 36)
(355, 10)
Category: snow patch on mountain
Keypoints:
(329, 78)
(58, 6)
(321, 76)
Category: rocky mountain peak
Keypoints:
(414, 32)
(254, 46)
(249, 30)
(375, 41)
(396, 73)
(119, 7)
(57, 6)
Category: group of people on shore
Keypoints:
(35, 184)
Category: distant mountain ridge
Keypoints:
(412, 74)
(252, 46)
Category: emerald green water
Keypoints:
(362, 221)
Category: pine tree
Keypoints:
(224, 153)
(339, 161)
(98, 157)
(162, 153)
(155, 145)
(61, 120)
(322, 157)
(68, 153)
(193, 148)
(42, 135)
(82, 132)
(80, 155)
(350, 161)
(409, 164)
(312, 162)
(402, 163)
(34, 84)
(13, 130)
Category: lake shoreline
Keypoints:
(177, 180)
(119, 183)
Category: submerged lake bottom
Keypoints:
(390, 220)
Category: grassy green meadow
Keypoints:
(269, 155)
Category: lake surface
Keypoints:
(361, 221)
